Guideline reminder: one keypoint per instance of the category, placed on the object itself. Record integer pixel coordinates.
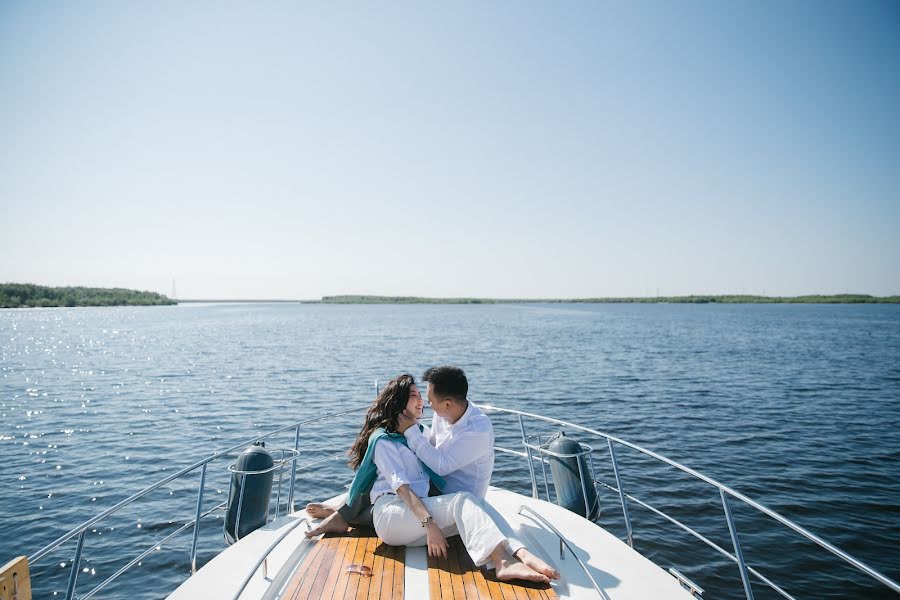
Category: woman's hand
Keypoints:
(437, 543)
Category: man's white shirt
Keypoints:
(462, 453)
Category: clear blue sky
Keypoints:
(502, 149)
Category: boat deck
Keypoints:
(350, 565)
(301, 569)
(457, 578)
(358, 565)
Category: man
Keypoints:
(459, 446)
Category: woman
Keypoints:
(403, 513)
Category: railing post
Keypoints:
(534, 487)
(587, 506)
(197, 520)
(290, 502)
(278, 495)
(737, 546)
(544, 470)
(76, 565)
(612, 454)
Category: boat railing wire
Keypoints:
(536, 454)
(532, 453)
(80, 531)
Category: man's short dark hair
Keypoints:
(448, 381)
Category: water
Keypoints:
(796, 406)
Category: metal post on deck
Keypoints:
(293, 471)
(737, 546)
(197, 519)
(581, 469)
(612, 454)
(543, 469)
(76, 565)
(534, 487)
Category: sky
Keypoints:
(288, 150)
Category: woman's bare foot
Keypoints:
(513, 569)
(333, 523)
(536, 564)
(318, 510)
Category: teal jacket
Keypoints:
(367, 472)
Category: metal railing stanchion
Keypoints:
(544, 470)
(615, 464)
(197, 520)
(587, 505)
(534, 487)
(290, 503)
(737, 546)
(76, 565)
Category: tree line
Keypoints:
(19, 295)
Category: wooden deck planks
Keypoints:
(322, 575)
(457, 578)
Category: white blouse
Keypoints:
(397, 465)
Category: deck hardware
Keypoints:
(544, 471)
(745, 579)
(686, 583)
(76, 565)
(543, 452)
(615, 464)
(534, 487)
(594, 483)
(278, 493)
(290, 503)
(197, 520)
(563, 541)
(581, 469)
(280, 457)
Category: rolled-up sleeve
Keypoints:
(389, 465)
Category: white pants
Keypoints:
(460, 513)
(512, 542)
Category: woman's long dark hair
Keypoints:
(384, 412)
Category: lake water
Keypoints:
(797, 406)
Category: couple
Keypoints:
(397, 461)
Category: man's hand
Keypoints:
(404, 421)
(437, 543)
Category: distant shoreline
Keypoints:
(695, 299)
(26, 295)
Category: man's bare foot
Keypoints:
(513, 569)
(536, 564)
(317, 510)
(333, 523)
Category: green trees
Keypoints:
(16, 295)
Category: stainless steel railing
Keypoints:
(532, 453)
(725, 493)
(201, 464)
